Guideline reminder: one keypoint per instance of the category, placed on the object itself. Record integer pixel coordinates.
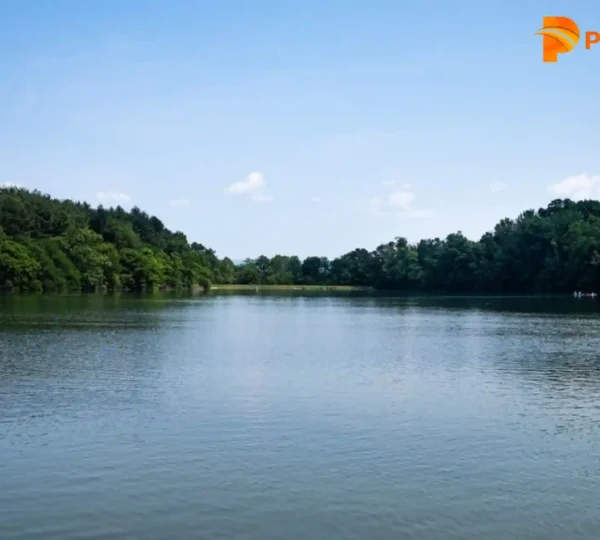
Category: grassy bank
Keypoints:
(237, 287)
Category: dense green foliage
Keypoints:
(556, 249)
(59, 246)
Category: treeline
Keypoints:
(55, 245)
(51, 245)
(551, 250)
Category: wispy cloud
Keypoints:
(399, 202)
(178, 203)
(10, 185)
(577, 188)
(316, 200)
(112, 197)
(252, 183)
(401, 199)
(497, 187)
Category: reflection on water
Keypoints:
(299, 416)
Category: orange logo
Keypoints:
(560, 35)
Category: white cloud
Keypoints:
(252, 183)
(178, 203)
(577, 188)
(11, 185)
(316, 199)
(112, 197)
(497, 187)
(401, 199)
(400, 203)
(262, 197)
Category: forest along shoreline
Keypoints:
(59, 246)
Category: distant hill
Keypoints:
(54, 245)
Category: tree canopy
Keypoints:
(56, 245)
(53, 245)
(551, 250)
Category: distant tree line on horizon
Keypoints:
(51, 245)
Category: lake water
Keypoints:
(270, 418)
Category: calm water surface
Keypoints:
(266, 417)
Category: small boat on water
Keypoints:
(579, 294)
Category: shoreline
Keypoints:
(266, 287)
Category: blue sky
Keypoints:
(341, 124)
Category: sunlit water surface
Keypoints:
(273, 417)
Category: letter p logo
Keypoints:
(559, 35)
